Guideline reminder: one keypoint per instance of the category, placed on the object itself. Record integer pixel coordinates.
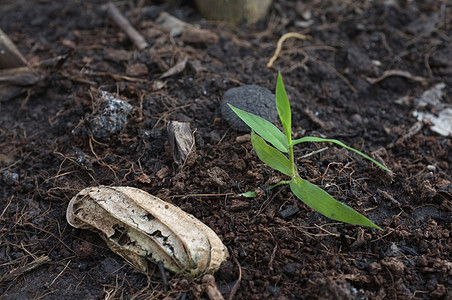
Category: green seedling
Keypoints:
(280, 156)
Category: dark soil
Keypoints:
(47, 154)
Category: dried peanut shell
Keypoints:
(141, 227)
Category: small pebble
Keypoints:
(356, 118)
(250, 98)
(82, 266)
(243, 138)
(431, 168)
(291, 268)
(110, 118)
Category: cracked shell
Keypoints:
(141, 227)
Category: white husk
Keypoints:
(141, 227)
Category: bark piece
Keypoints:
(181, 140)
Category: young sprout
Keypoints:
(280, 156)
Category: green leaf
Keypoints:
(316, 139)
(321, 201)
(249, 194)
(283, 107)
(264, 128)
(269, 155)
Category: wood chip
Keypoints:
(181, 140)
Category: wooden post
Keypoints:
(234, 12)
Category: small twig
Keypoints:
(100, 159)
(27, 268)
(272, 258)
(389, 197)
(314, 152)
(237, 283)
(59, 274)
(310, 114)
(347, 82)
(140, 110)
(299, 64)
(24, 102)
(328, 232)
(385, 42)
(125, 26)
(6, 207)
(391, 230)
(426, 60)
(116, 76)
(281, 41)
(400, 73)
(200, 195)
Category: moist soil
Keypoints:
(279, 248)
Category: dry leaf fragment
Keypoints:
(141, 227)
(176, 69)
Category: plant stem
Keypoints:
(278, 184)
(292, 161)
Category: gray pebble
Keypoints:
(356, 118)
(250, 98)
(110, 118)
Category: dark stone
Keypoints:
(250, 98)
(289, 211)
